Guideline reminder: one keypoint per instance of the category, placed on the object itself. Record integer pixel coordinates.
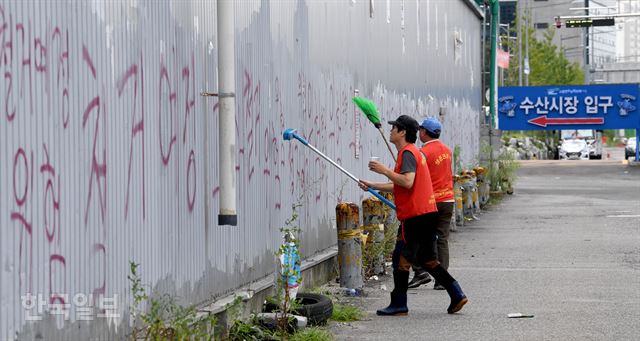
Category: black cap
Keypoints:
(405, 122)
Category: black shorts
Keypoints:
(419, 234)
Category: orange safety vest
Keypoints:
(419, 198)
(439, 162)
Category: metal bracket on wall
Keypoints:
(221, 95)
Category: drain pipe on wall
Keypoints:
(227, 123)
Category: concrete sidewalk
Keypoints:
(565, 248)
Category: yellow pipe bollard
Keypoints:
(349, 245)
(467, 200)
(372, 219)
(483, 185)
(457, 192)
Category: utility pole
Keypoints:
(585, 32)
(526, 41)
(495, 22)
(519, 8)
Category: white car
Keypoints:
(630, 149)
(574, 149)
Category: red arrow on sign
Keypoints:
(543, 121)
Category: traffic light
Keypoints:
(558, 22)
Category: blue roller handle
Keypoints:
(383, 199)
(291, 133)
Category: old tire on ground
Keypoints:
(317, 308)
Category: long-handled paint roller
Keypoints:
(291, 133)
(369, 109)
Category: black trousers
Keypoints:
(416, 245)
(416, 241)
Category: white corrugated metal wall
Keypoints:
(108, 153)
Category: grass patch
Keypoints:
(312, 334)
(318, 290)
(494, 200)
(242, 331)
(346, 313)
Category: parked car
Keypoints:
(630, 149)
(574, 149)
(592, 137)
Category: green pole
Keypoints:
(493, 92)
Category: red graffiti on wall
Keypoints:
(40, 63)
(3, 28)
(189, 79)
(23, 47)
(6, 59)
(57, 295)
(41, 69)
(191, 185)
(51, 219)
(28, 230)
(52, 229)
(306, 102)
(98, 165)
(23, 56)
(100, 249)
(61, 52)
(98, 169)
(170, 107)
(251, 105)
(136, 74)
(23, 169)
(278, 203)
(177, 84)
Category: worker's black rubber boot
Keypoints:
(458, 298)
(398, 305)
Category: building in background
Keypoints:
(508, 11)
(613, 52)
(625, 68)
(628, 39)
(602, 40)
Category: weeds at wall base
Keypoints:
(163, 318)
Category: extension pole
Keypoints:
(289, 133)
(387, 143)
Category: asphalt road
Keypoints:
(564, 248)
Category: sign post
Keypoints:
(638, 145)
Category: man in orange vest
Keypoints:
(416, 209)
(439, 162)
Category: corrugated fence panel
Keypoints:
(108, 153)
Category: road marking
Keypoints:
(624, 216)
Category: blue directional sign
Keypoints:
(568, 107)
